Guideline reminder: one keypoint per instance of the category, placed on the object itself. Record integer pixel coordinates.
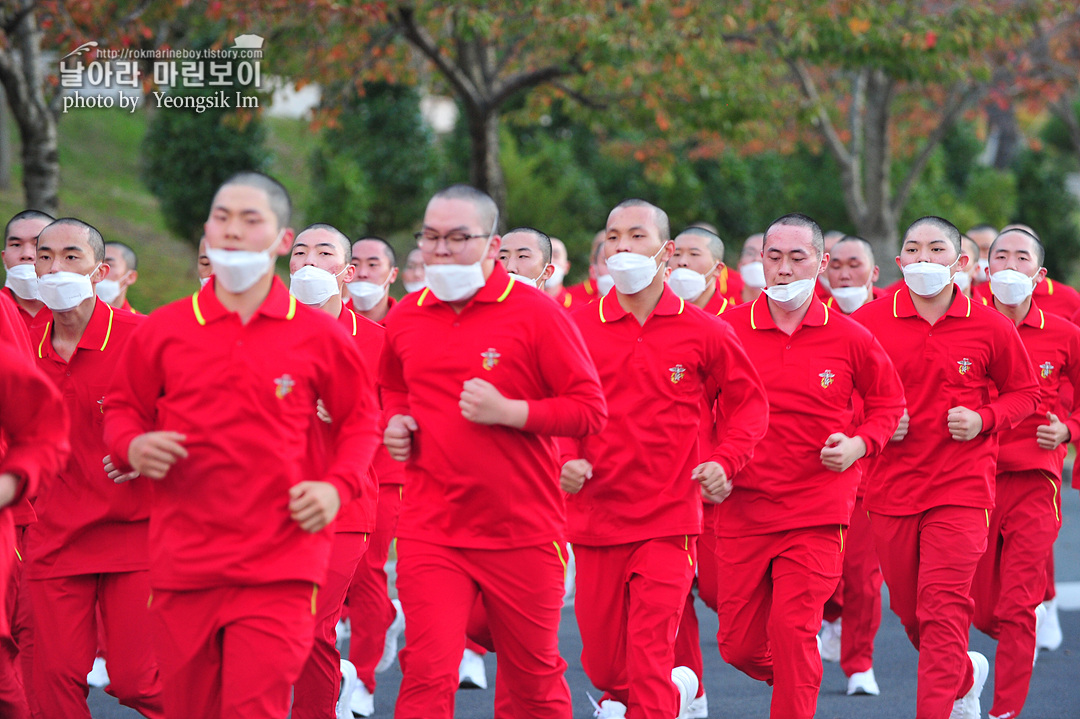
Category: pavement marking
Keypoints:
(1068, 595)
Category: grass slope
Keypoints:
(99, 183)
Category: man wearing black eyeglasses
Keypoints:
(475, 416)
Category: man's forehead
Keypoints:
(451, 213)
(1014, 242)
(242, 198)
(27, 229)
(369, 250)
(849, 250)
(67, 235)
(690, 240)
(518, 241)
(789, 237)
(927, 233)
(314, 238)
(626, 217)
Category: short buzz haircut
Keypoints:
(713, 241)
(127, 253)
(867, 247)
(26, 215)
(982, 227)
(663, 225)
(387, 248)
(797, 219)
(487, 212)
(93, 237)
(941, 225)
(276, 194)
(542, 241)
(1040, 251)
(704, 226)
(342, 240)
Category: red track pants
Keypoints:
(775, 586)
(928, 560)
(316, 692)
(629, 603)
(522, 593)
(66, 642)
(370, 610)
(232, 652)
(1009, 581)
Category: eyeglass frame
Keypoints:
(460, 242)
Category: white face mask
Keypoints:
(850, 298)
(688, 284)
(63, 291)
(23, 281)
(1011, 287)
(313, 286)
(604, 283)
(791, 296)
(753, 274)
(557, 277)
(108, 290)
(632, 272)
(824, 281)
(962, 280)
(984, 270)
(533, 282)
(415, 286)
(203, 281)
(365, 295)
(454, 283)
(239, 270)
(927, 279)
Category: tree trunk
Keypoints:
(21, 76)
(1003, 139)
(6, 148)
(485, 170)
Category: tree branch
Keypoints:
(955, 105)
(832, 138)
(590, 102)
(504, 89)
(422, 41)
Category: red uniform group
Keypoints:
(212, 484)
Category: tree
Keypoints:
(24, 84)
(376, 167)
(488, 55)
(877, 82)
(188, 154)
(32, 93)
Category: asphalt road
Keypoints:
(1055, 689)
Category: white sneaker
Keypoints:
(699, 708)
(570, 581)
(1040, 619)
(687, 683)
(98, 676)
(390, 647)
(830, 641)
(348, 686)
(472, 674)
(1048, 636)
(343, 631)
(363, 701)
(969, 706)
(608, 709)
(863, 683)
